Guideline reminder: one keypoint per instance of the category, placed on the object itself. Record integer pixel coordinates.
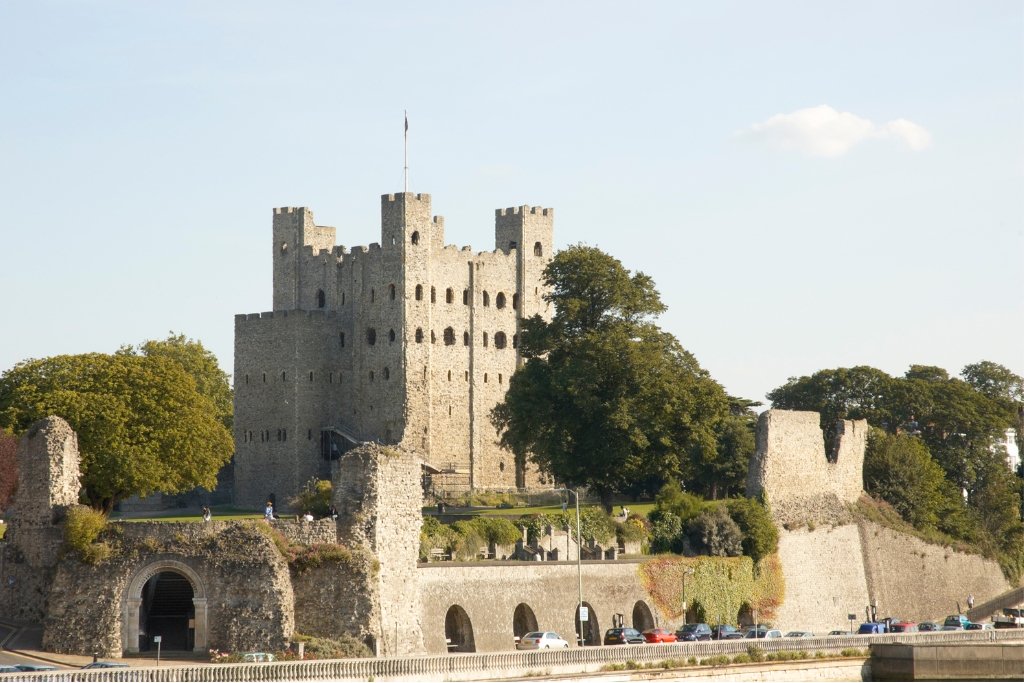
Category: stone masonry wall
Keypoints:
(241, 588)
(47, 486)
(791, 471)
(378, 495)
(490, 593)
(910, 578)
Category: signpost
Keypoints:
(157, 639)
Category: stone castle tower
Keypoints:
(408, 342)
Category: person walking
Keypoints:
(970, 601)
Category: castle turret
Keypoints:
(294, 231)
(529, 231)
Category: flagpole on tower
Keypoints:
(405, 175)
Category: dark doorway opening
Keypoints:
(458, 630)
(167, 611)
(590, 634)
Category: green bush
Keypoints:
(344, 646)
(756, 653)
(741, 659)
(851, 652)
(691, 660)
(314, 497)
(667, 534)
(760, 536)
(717, 660)
(713, 532)
(81, 529)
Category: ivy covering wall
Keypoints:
(718, 589)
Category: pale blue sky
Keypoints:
(745, 155)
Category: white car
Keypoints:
(799, 634)
(541, 640)
(761, 633)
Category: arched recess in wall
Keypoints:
(163, 598)
(745, 615)
(538, 249)
(449, 336)
(499, 301)
(591, 632)
(458, 629)
(642, 617)
(695, 613)
(321, 298)
(523, 621)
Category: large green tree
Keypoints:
(605, 397)
(8, 467)
(143, 424)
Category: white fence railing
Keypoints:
(499, 663)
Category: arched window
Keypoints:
(310, 375)
(391, 336)
(465, 297)
(499, 301)
(515, 301)
(485, 378)
(499, 340)
(416, 237)
(391, 292)
(341, 339)
(449, 296)
(371, 336)
(515, 341)
(465, 338)
(449, 379)
(387, 373)
(419, 292)
(284, 377)
(501, 378)
(343, 298)
(449, 336)
(512, 245)
(433, 295)
(321, 298)
(373, 295)
(433, 337)
(487, 299)
(485, 339)
(538, 250)
(371, 375)
(419, 335)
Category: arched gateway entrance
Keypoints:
(165, 599)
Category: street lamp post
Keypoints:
(688, 572)
(579, 562)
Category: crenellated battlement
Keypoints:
(419, 196)
(290, 209)
(516, 210)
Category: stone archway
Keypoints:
(458, 630)
(590, 633)
(523, 621)
(642, 617)
(145, 584)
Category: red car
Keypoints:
(659, 635)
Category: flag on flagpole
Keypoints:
(407, 123)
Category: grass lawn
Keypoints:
(220, 513)
(642, 509)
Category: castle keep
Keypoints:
(408, 342)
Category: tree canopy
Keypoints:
(605, 397)
(143, 423)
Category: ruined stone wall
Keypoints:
(490, 593)
(240, 582)
(317, 532)
(333, 599)
(793, 474)
(421, 336)
(47, 486)
(378, 496)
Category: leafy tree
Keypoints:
(8, 468)
(726, 474)
(314, 497)
(605, 397)
(192, 356)
(142, 424)
(899, 470)
(994, 381)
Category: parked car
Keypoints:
(9, 669)
(258, 657)
(106, 665)
(725, 632)
(840, 633)
(34, 667)
(979, 627)
(694, 632)
(763, 633)
(623, 636)
(955, 622)
(903, 627)
(871, 627)
(799, 634)
(542, 640)
(928, 626)
(659, 635)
